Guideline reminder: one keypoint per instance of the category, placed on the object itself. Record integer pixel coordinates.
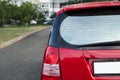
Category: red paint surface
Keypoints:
(88, 6)
(77, 64)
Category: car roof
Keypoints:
(90, 5)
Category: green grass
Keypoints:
(7, 34)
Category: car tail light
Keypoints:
(51, 70)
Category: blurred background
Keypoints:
(32, 12)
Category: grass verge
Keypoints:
(7, 34)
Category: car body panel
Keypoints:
(77, 64)
(73, 65)
(91, 5)
(102, 53)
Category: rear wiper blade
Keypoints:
(110, 43)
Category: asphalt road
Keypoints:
(22, 60)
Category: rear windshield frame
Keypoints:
(55, 38)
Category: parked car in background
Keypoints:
(49, 22)
(84, 43)
(33, 22)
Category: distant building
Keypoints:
(18, 2)
(48, 7)
(34, 1)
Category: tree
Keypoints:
(53, 15)
(22, 13)
(74, 1)
(28, 11)
(4, 4)
(40, 18)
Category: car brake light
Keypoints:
(51, 70)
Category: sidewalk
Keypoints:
(12, 41)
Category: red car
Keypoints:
(84, 43)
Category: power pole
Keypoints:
(53, 8)
(53, 5)
(69, 2)
(81, 1)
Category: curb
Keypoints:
(10, 42)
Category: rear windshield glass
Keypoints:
(82, 30)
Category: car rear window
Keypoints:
(82, 30)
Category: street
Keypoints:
(22, 60)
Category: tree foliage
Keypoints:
(53, 15)
(3, 14)
(28, 11)
(10, 12)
